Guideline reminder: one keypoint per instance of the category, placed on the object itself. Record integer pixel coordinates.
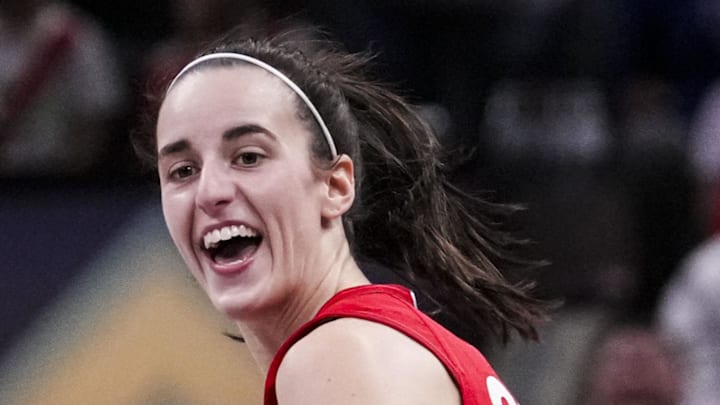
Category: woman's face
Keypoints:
(240, 196)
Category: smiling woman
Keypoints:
(282, 166)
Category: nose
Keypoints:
(215, 190)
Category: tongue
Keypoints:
(236, 250)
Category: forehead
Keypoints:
(212, 95)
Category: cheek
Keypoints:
(294, 193)
(177, 210)
(177, 219)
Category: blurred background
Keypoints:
(602, 117)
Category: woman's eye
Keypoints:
(183, 172)
(249, 158)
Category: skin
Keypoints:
(232, 150)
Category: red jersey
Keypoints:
(395, 307)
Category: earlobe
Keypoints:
(340, 188)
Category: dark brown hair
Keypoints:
(407, 215)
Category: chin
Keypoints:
(239, 308)
(239, 300)
(233, 304)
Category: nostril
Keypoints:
(210, 205)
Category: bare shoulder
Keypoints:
(353, 361)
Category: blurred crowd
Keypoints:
(603, 117)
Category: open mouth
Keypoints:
(231, 244)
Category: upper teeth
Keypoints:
(212, 238)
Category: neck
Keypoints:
(265, 333)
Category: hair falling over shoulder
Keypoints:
(407, 216)
(412, 219)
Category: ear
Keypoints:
(340, 183)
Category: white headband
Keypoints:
(274, 72)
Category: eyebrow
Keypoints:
(174, 147)
(236, 132)
(229, 135)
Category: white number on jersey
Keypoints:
(499, 395)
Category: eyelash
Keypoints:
(240, 159)
(176, 174)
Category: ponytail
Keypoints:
(412, 219)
